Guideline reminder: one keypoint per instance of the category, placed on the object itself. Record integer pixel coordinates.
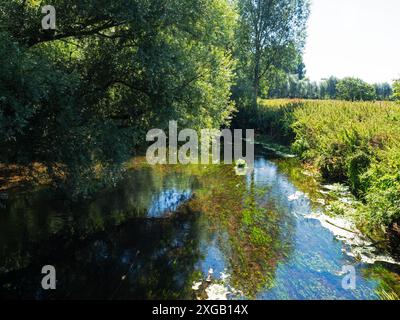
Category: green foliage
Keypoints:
(357, 164)
(352, 142)
(288, 85)
(291, 86)
(396, 90)
(383, 91)
(330, 91)
(383, 188)
(271, 118)
(79, 100)
(270, 39)
(356, 143)
(353, 89)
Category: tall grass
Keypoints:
(353, 142)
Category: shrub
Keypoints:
(357, 165)
(383, 189)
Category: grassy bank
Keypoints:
(357, 143)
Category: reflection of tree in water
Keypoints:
(142, 259)
(255, 242)
(36, 228)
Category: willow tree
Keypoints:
(271, 36)
(81, 98)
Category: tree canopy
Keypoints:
(271, 36)
(354, 89)
(80, 99)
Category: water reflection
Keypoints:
(147, 260)
(167, 201)
(164, 228)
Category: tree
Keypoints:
(383, 91)
(291, 86)
(301, 69)
(354, 89)
(80, 99)
(396, 90)
(271, 36)
(331, 84)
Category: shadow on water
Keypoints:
(125, 236)
(164, 229)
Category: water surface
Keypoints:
(164, 230)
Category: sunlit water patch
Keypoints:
(168, 201)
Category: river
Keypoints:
(186, 232)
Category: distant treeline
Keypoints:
(352, 89)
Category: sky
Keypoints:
(358, 38)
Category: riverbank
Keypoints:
(354, 143)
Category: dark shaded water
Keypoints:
(163, 229)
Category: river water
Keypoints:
(185, 232)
